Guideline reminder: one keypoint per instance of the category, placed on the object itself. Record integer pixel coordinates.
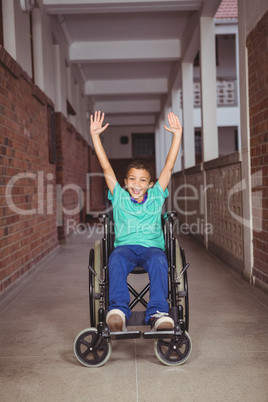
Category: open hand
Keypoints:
(96, 122)
(174, 124)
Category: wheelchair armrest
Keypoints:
(170, 215)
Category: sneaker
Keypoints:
(161, 322)
(116, 320)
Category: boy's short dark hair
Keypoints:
(139, 164)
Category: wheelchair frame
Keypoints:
(92, 346)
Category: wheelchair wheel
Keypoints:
(182, 286)
(94, 284)
(173, 351)
(90, 349)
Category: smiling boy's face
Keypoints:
(137, 183)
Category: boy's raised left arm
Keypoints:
(175, 128)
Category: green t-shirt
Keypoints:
(136, 223)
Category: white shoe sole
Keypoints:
(163, 323)
(116, 320)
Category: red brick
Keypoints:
(258, 108)
(24, 148)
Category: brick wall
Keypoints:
(33, 222)
(97, 185)
(216, 220)
(258, 109)
(195, 202)
(224, 209)
(72, 169)
(25, 239)
(187, 200)
(179, 195)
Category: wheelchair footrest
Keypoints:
(161, 334)
(125, 335)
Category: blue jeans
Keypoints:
(154, 261)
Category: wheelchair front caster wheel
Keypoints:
(90, 349)
(174, 351)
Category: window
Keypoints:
(143, 145)
(70, 109)
(198, 147)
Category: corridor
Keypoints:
(41, 316)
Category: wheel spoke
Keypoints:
(180, 355)
(96, 352)
(183, 341)
(96, 355)
(85, 343)
(91, 349)
(86, 352)
(168, 352)
(174, 351)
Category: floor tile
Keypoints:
(43, 314)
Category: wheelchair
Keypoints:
(92, 346)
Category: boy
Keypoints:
(139, 238)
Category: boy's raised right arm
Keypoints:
(96, 129)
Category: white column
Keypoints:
(162, 144)
(245, 143)
(188, 115)
(238, 85)
(69, 83)
(77, 108)
(208, 87)
(59, 107)
(157, 151)
(176, 108)
(9, 27)
(38, 52)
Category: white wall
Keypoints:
(226, 117)
(111, 140)
(16, 29)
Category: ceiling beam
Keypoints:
(191, 41)
(135, 106)
(115, 6)
(130, 120)
(119, 87)
(147, 50)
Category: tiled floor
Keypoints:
(41, 317)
